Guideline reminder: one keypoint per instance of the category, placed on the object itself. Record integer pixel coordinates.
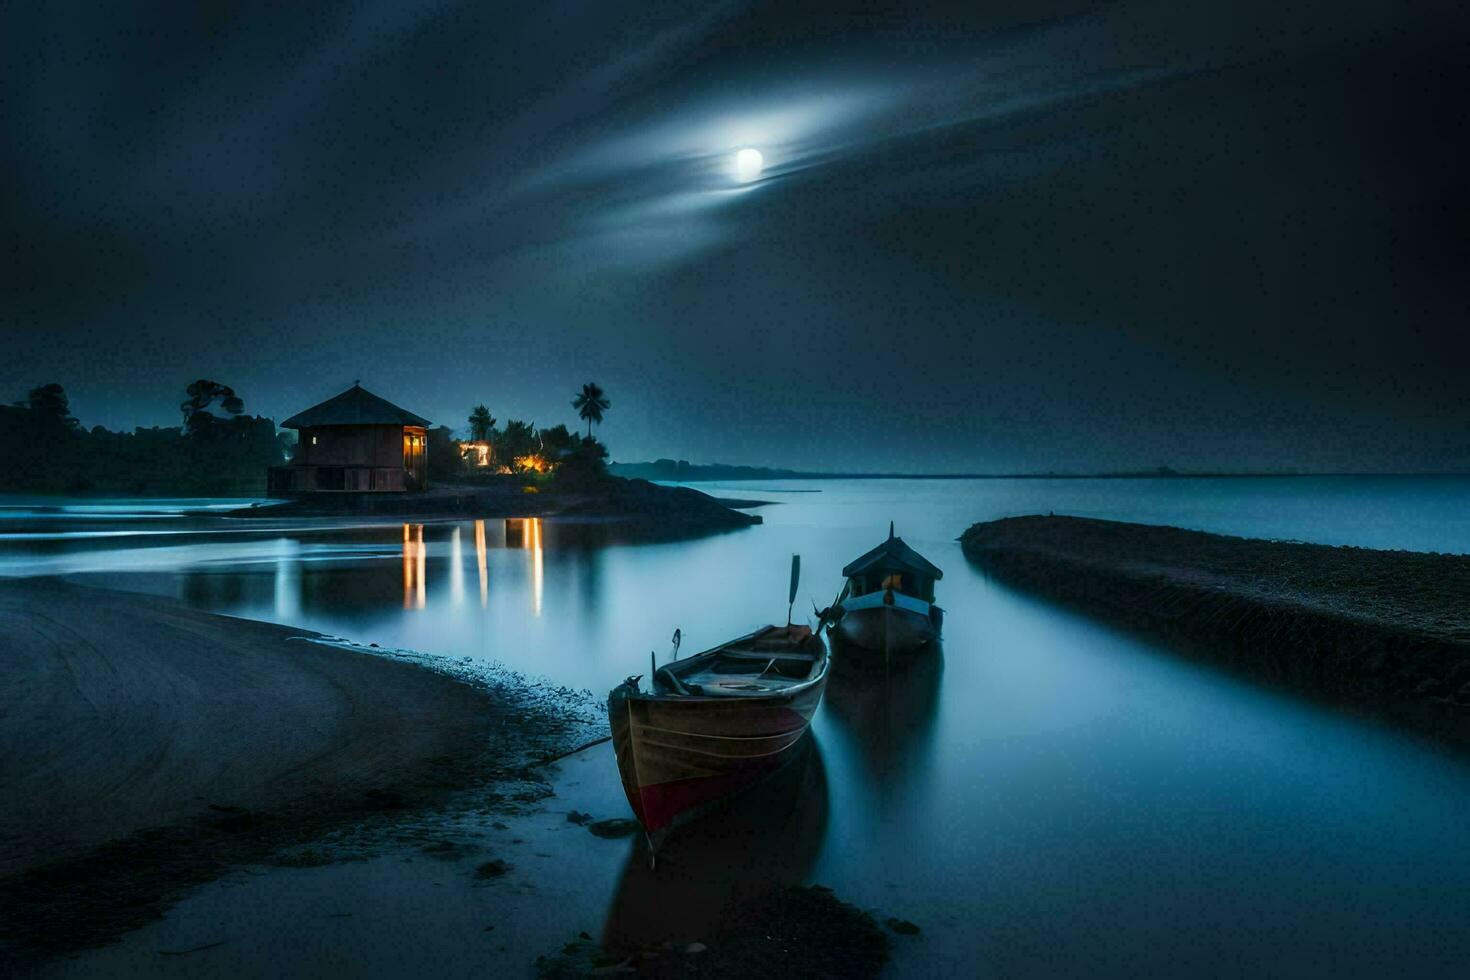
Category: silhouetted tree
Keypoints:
(481, 422)
(202, 394)
(587, 463)
(50, 408)
(445, 463)
(41, 442)
(229, 452)
(559, 441)
(516, 442)
(590, 404)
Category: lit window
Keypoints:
(313, 440)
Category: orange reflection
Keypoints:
(408, 568)
(480, 559)
(535, 535)
(525, 533)
(413, 566)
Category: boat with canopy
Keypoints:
(887, 604)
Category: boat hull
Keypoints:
(678, 756)
(888, 629)
(768, 837)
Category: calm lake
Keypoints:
(1048, 795)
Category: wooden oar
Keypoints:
(795, 580)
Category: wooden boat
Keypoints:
(887, 605)
(716, 723)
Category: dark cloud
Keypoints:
(1038, 236)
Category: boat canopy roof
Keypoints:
(893, 554)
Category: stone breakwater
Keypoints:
(1387, 631)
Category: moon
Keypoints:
(748, 165)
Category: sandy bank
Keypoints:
(121, 711)
(1386, 630)
(145, 746)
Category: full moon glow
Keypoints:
(748, 164)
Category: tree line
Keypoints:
(215, 450)
(219, 450)
(520, 446)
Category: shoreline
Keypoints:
(438, 820)
(637, 503)
(672, 472)
(1385, 632)
(530, 888)
(148, 747)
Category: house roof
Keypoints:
(893, 553)
(355, 406)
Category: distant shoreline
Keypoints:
(669, 472)
(698, 474)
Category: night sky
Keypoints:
(1004, 236)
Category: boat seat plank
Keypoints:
(735, 685)
(768, 655)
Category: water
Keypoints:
(1047, 795)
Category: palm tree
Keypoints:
(481, 422)
(590, 405)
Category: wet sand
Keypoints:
(145, 746)
(122, 711)
(409, 896)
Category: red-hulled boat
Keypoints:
(715, 723)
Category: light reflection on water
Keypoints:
(520, 534)
(1051, 796)
(482, 564)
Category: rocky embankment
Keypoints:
(655, 508)
(1385, 630)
